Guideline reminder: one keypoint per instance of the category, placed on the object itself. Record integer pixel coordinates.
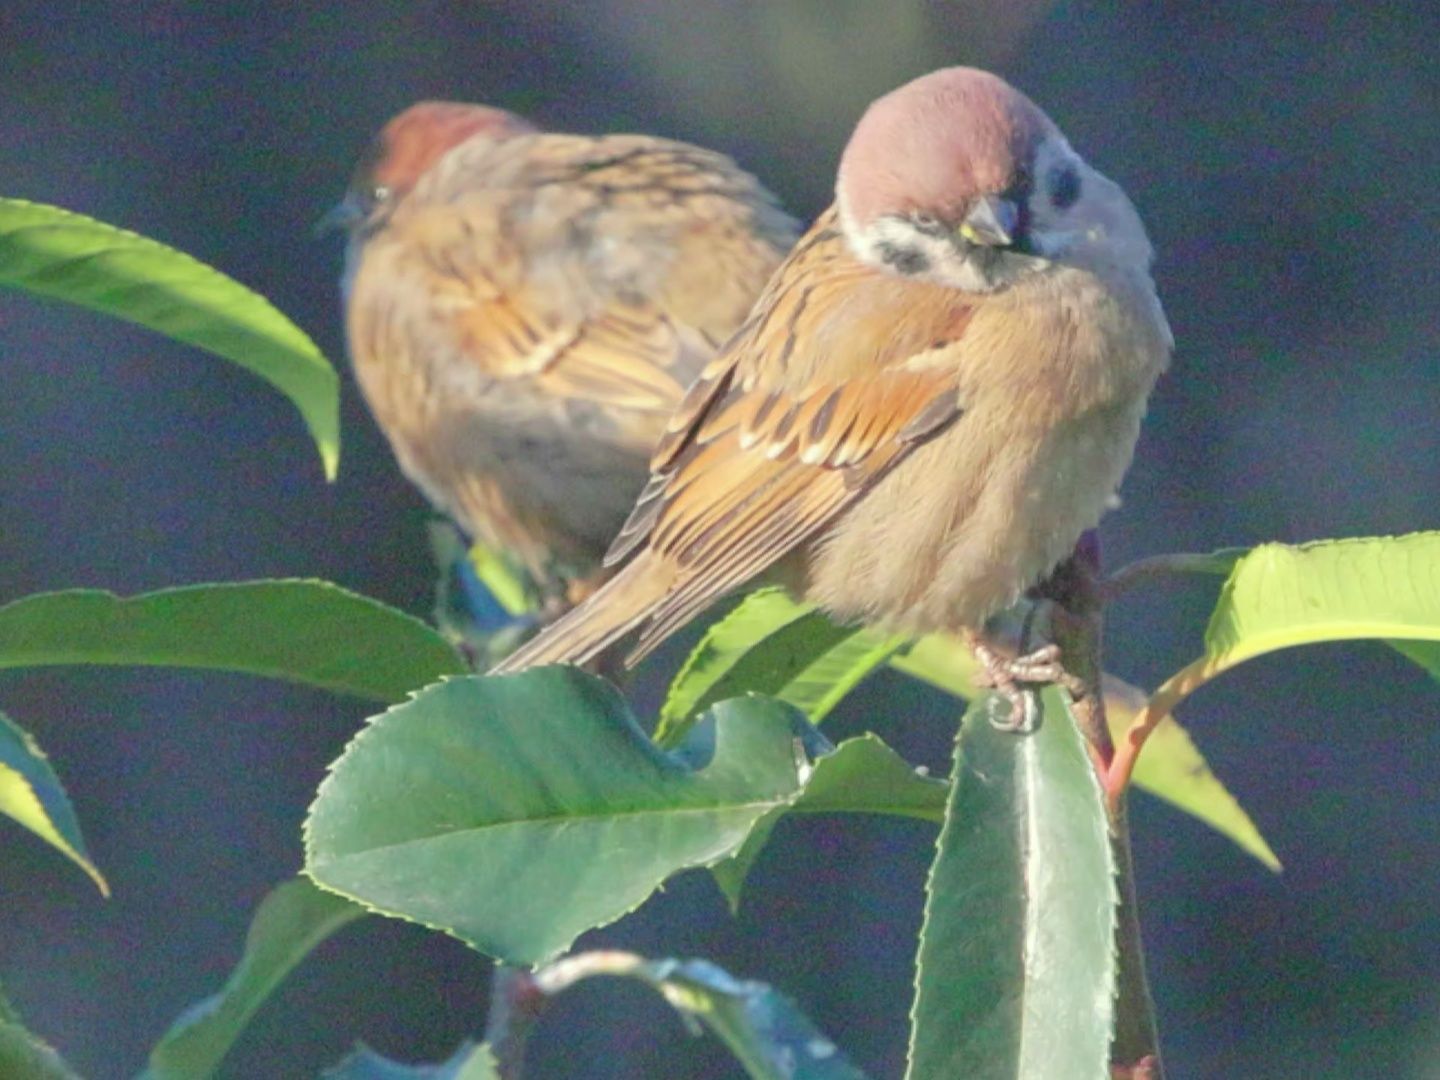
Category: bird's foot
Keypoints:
(1005, 675)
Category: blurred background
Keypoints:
(1286, 158)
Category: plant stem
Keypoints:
(1078, 627)
(516, 1002)
(519, 997)
(1156, 566)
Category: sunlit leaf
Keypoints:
(31, 793)
(1279, 596)
(290, 922)
(774, 646)
(60, 254)
(308, 632)
(1016, 970)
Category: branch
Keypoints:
(1136, 573)
(516, 1004)
(518, 998)
(1078, 625)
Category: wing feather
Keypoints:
(792, 424)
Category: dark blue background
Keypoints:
(1287, 161)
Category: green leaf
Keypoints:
(24, 1055)
(1279, 596)
(864, 776)
(861, 776)
(769, 1036)
(470, 1062)
(32, 794)
(1016, 970)
(772, 645)
(1424, 653)
(56, 253)
(516, 812)
(27, 1057)
(290, 922)
(772, 1039)
(1172, 767)
(309, 632)
(511, 589)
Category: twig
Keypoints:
(1078, 628)
(1158, 566)
(519, 997)
(516, 1002)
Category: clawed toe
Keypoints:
(1005, 674)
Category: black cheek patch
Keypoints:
(905, 260)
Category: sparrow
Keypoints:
(524, 310)
(938, 391)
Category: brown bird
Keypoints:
(936, 394)
(525, 310)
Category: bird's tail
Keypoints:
(615, 609)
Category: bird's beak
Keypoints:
(991, 222)
(344, 215)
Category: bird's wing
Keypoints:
(841, 371)
(603, 270)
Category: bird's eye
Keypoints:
(379, 193)
(926, 222)
(1064, 184)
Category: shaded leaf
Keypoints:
(60, 254)
(24, 1055)
(1016, 969)
(861, 776)
(772, 1039)
(470, 1062)
(290, 922)
(1424, 653)
(772, 645)
(308, 632)
(516, 812)
(31, 793)
(1172, 767)
(765, 1031)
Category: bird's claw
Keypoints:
(1005, 674)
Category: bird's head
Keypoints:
(959, 179)
(406, 148)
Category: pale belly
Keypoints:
(965, 524)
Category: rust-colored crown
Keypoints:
(937, 143)
(415, 139)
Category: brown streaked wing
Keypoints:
(764, 460)
(626, 358)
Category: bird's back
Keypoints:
(531, 313)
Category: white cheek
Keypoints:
(959, 274)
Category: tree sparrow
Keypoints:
(936, 393)
(524, 311)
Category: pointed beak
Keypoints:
(991, 222)
(343, 216)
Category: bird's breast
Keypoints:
(1053, 391)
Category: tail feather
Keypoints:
(615, 609)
